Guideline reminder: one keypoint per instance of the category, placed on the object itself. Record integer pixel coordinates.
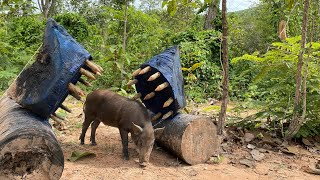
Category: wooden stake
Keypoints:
(149, 96)
(76, 90)
(154, 76)
(56, 119)
(157, 116)
(76, 96)
(162, 86)
(145, 70)
(58, 116)
(132, 82)
(87, 73)
(65, 108)
(100, 68)
(136, 72)
(168, 103)
(167, 115)
(137, 96)
(84, 82)
(93, 67)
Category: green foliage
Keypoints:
(75, 24)
(200, 59)
(272, 82)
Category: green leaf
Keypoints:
(164, 3)
(76, 155)
(195, 66)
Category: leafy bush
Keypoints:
(75, 24)
(200, 58)
(271, 84)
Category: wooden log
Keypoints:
(192, 138)
(28, 147)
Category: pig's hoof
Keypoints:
(93, 144)
(126, 158)
(82, 143)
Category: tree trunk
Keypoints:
(45, 6)
(297, 119)
(28, 147)
(125, 27)
(211, 14)
(225, 83)
(191, 138)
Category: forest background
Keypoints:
(120, 37)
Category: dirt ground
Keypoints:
(108, 162)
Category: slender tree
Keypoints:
(45, 6)
(225, 83)
(211, 14)
(298, 119)
(125, 26)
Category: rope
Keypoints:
(5, 93)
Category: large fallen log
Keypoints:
(28, 147)
(191, 138)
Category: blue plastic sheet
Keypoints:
(168, 64)
(42, 87)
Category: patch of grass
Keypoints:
(213, 108)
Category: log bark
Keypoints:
(28, 147)
(192, 138)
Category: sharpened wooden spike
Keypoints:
(154, 76)
(136, 72)
(137, 96)
(84, 82)
(162, 86)
(157, 116)
(145, 70)
(98, 73)
(58, 116)
(167, 103)
(78, 97)
(132, 82)
(87, 73)
(76, 90)
(149, 96)
(100, 68)
(94, 68)
(168, 114)
(65, 108)
(56, 119)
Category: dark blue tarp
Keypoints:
(168, 64)
(42, 87)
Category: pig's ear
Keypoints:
(136, 129)
(158, 132)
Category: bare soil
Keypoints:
(109, 164)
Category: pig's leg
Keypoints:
(124, 139)
(86, 123)
(94, 127)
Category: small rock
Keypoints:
(251, 146)
(257, 155)
(247, 162)
(262, 150)
(248, 137)
(277, 141)
(306, 142)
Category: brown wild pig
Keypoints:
(130, 116)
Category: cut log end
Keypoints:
(198, 141)
(191, 138)
(28, 148)
(23, 157)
